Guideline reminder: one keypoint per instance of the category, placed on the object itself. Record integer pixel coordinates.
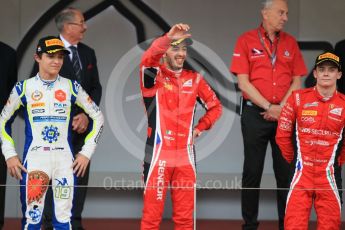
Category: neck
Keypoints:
(270, 31)
(47, 77)
(170, 68)
(70, 39)
(326, 91)
(176, 71)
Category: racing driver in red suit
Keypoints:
(170, 94)
(317, 116)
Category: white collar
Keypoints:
(66, 43)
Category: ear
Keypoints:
(314, 73)
(65, 28)
(37, 58)
(264, 13)
(339, 75)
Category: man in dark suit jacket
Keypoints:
(82, 67)
(8, 77)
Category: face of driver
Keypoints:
(327, 73)
(175, 56)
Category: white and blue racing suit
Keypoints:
(48, 152)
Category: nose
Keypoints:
(285, 17)
(181, 52)
(57, 60)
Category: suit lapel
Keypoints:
(68, 67)
(83, 61)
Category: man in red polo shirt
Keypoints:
(268, 65)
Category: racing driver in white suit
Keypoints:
(47, 101)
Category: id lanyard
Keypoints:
(273, 55)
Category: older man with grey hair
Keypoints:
(268, 65)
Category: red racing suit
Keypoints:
(318, 125)
(170, 99)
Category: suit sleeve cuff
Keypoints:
(8, 155)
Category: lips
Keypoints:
(56, 67)
(326, 80)
(179, 60)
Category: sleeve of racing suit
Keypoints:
(150, 62)
(286, 123)
(341, 158)
(212, 104)
(84, 101)
(7, 115)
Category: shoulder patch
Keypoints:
(20, 87)
(75, 87)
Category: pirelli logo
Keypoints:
(54, 42)
(309, 113)
(330, 56)
(39, 104)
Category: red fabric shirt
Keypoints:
(251, 57)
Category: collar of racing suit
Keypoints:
(322, 98)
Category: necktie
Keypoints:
(76, 63)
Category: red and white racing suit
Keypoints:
(318, 125)
(170, 99)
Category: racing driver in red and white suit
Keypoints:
(170, 94)
(317, 116)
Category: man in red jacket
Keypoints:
(317, 117)
(170, 94)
